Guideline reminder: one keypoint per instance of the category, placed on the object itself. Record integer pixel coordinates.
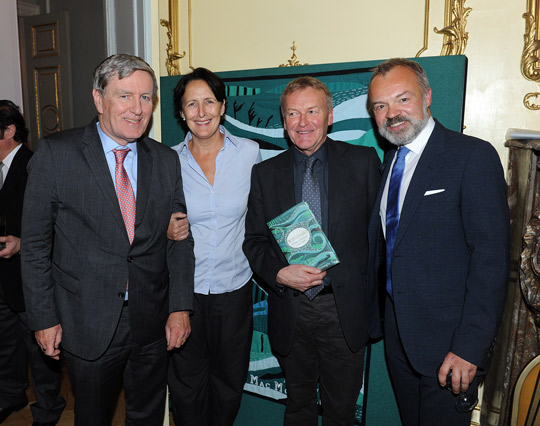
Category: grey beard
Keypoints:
(407, 136)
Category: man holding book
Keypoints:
(318, 321)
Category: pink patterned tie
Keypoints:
(124, 191)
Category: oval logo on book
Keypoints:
(298, 237)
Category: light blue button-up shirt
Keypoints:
(217, 213)
(130, 162)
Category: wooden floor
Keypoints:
(24, 417)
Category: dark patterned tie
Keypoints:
(311, 193)
(392, 212)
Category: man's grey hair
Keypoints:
(121, 65)
(385, 67)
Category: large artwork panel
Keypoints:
(253, 100)
(253, 112)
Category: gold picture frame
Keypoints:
(173, 68)
(455, 22)
(530, 62)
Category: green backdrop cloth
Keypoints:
(253, 112)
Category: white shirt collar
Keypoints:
(109, 143)
(419, 143)
(9, 159)
(183, 146)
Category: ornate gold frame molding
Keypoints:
(530, 62)
(426, 31)
(454, 41)
(173, 41)
(455, 21)
(293, 62)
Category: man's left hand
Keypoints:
(178, 229)
(463, 372)
(177, 329)
(13, 246)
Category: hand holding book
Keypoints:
(302, 239)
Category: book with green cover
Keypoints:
(302, 239)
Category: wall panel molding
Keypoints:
(530, 62)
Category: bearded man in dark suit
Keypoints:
(443, 212)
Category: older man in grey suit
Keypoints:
(99, 275)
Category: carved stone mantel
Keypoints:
(518, 340)
(529, 276)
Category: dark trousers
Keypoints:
(18, 347)
(142, 370)
(207, 374)
(421, 400)
(320, 355)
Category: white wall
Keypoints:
(10, 67)
(243, 34)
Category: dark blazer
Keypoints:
(76, 255)
(11, 206)
(353, 179)
(451, 256)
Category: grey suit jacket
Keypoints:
(76, 256)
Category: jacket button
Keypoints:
(121, 295)
(130, 259)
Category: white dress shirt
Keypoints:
(6, 162)
(416, 147)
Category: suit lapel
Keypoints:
(388, 158)
(375, 229)
(284, 181)
(338, 175)
(16, 170)
(426, 170)
(92, 149)
(144, 178)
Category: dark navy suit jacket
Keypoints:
(451, 256)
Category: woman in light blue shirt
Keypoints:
(207, 374)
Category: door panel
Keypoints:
(48, 74)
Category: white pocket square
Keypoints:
(433, 191)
